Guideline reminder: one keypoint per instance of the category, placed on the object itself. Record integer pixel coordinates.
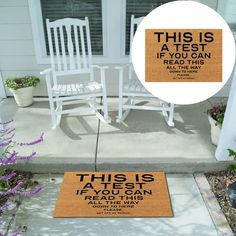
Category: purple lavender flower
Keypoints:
(27, 158)
(6, 122)
(2, 222)
(5, 144)
(8, 176)
(9, 160)
(8, 157)
(4, 131)
(10, 131)
(16, 233)
(31, 193)
(39, 140)
(7, 138)
(13, 190)
(17, 190)
(14, 157)
(5, 206)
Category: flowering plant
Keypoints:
(12, 184)
(22, 82)
(217, 112)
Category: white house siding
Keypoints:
(17, 55)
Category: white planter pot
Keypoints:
(23, 96)
(215, 131)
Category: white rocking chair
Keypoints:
(134, 91)
(71, 54)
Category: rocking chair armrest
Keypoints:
(46, 71)
(123, 66)
(100, 67)
(102, 74)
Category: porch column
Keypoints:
(228, 132)
(2, 90)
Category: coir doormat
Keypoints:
(114, 194)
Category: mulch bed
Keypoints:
(219, 182)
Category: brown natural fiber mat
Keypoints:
(114, 194)
(169, 59)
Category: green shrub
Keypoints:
(232, 153)
(22, 82)
(232, 167)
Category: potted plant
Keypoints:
(22, 89)
(216, 117)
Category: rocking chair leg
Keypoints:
(94, 101)
(171, 116)
(125, 114)
(102, 118)
(58, 110)
(51, 103)
(53, 115)
(105, 110)
(120, 104)
(106, 118)
(168, 114)
(120, 109)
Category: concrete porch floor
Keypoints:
(191, 215)
(82, 142)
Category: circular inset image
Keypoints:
(183, 52)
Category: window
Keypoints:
(141, 8)
(57, 9)
(228, 11)
(138, 8)
(109, 23)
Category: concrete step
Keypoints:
(169, 166)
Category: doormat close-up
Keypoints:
(113, 194)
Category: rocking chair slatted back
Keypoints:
(133, 26)
(70, 46)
